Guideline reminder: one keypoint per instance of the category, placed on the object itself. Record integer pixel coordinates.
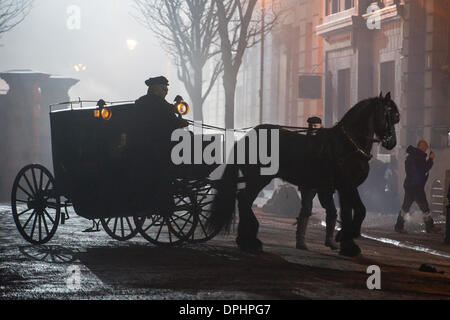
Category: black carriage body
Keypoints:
(94, 162)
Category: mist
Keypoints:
(48, 41)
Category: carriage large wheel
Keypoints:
(35, 204)
(173, 226)
(120, 228)
(205, 196)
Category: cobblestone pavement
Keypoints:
(135, 269)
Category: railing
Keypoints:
(83, 104)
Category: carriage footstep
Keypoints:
(95, 227)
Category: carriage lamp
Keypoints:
(103, 112)
(181, 106)
(106, 114)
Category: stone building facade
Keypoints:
(396, 46)
(25, 121)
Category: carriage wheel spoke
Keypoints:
(153, 222)
(47, 185)
(122, 228)
(34, 225)
(19, 214)
(129, 224)
(40, 228)
(28, 194)
(45, 224)
(181, 217)
(169, 231)
(115, 225)
(29, 185)
(34, 180)
(159, 231)
(48, 215)
(41, 179)
(29, 219)
(202, 226)
(179, 229)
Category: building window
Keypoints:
(440, 137)
(310, 87)
(387, 78)
(414, 135)
(343, 92)
(349, 4)
(331, 6)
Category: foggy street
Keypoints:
(111, 269)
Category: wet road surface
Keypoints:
(109, 269)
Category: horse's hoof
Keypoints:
(338, 236)
(250, 246)
(350, 249)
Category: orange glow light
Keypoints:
(106, 114)
(183, 108)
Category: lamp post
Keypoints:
(261, 89)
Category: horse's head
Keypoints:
(385, 118)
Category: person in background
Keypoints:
(417, 168)
(325, 198)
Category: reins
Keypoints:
(211, 127)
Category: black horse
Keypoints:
(333, 159)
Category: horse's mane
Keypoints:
(357, 111)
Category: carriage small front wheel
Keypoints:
(121, 228)
(172, 226)
(205, 194)
(35, 204)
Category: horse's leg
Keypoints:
(248, 224)
(359, 213)
(348, 246)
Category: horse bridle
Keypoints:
(384, 139)
(359, 150)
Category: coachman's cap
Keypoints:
(314, 120)
(156, 81)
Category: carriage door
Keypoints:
(343, 92)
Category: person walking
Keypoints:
(417, 168)
(325, 198)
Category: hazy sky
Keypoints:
(44, 42)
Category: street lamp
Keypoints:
(131, 44)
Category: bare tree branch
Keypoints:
(13, 12)
(188, 32)
(239, 29)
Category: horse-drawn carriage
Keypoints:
(95, 173)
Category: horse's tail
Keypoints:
(223, 206)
